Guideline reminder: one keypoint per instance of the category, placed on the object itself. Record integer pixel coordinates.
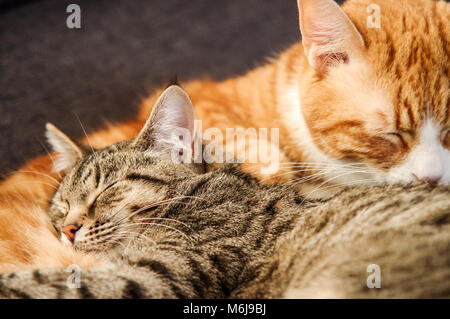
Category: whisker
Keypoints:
(169, 219)
(51, 157)
(142, 209)
(350, 183)
(37, 182)
(305, 178)
(320, 172)
(162, 225)
(318, 164)
(325, 182)
(137, 235)
(163, 202)
(84, 131)
(117, 241)
(285, 165)
(37, 173)
(324, 172)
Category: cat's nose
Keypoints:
(70, 231)
(429, 178)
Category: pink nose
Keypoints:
(429, 179)
(70, 231)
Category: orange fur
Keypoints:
(403, 72)
(27, 238)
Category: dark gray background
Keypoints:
(124, 49)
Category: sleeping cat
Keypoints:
(164, 229)
(353, 104)
(167, 229)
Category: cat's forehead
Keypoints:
(409, 56)
(101, 161)
(103, 166)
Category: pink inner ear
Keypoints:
(327, 60)
(329, 37)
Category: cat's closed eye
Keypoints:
(446, 139)
(396, 138)
(62, 208)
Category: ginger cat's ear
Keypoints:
(329, 37)
(170, 126)
(68, 152)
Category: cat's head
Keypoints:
(377, 88)
(106, 194)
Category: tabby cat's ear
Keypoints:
(68, 151)
(170, 127)
(329, 37)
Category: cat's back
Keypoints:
(403, 231)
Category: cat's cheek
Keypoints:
(446, 141)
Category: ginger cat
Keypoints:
(354, 104)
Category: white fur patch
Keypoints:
(428, 161)
(65, 241)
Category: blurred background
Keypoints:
(49, 73)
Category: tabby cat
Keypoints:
(162, 229)
(354, 104)
(165, 229)
(335, 250)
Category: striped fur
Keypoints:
(405, 230)
(367, 111)
(161, 229)
(406, 66)
(253, 241)
(222, 225)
